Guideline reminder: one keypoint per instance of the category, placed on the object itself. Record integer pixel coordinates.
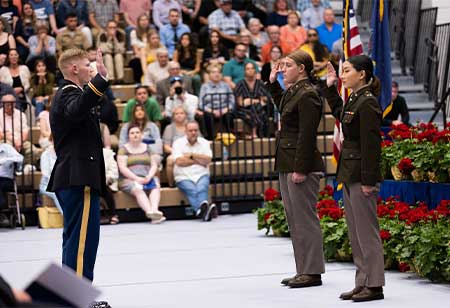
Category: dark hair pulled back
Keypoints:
(364, 63)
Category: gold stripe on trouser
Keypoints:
(83, 230)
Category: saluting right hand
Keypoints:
(331, 74)
(101, 68)
(274, 72)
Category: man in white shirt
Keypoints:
(157, 70)
(192, 155)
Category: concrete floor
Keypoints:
(225, 263)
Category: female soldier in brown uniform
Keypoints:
(300, 164)
(359, 171)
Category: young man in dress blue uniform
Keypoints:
(78, 177)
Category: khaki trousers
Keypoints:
(114, 66)
(299, 202)
(364, 234)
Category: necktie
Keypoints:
(175, 37)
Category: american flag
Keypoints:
(351, 46)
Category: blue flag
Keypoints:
(381, 52)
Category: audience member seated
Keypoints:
(10, 13)
(112, 44)
(192, 155)
(138, 174)
(399, 108)
(293, 33)
(163, 86)
(275, 56)
(149, 52)
(233, 70)
(110, 117)
(313, 16)
(246, 9)
(216, 104)
(45, 130)
(252, 51)
(8, 157)
(149, 130)
(306, 4)
(172, 132)
(131, 10)
(171, 32)
(14, 129)
(190, 58)
(259, 37)
(142, 97)
(7, 41)
(190, 10)
(42, 46)
(329, 31)
(279, 14)
(138, 42)
(17, 76)
(44, 12)
(318, 53)
(227, 22)
(48, 159)
(206, 8)
(80, 9)
(41, 86)
(161, 9)
(251, 102)
(25, 28)
(215, 53)
(112, 177)
(71, 36)
(157, 70)
(274, 39)
(179, 97)
(100, 12)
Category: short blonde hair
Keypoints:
(71, 55)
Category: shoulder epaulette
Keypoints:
(69, 86)
(368, 93)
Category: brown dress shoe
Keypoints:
(348, 295)
(369, 294)
(304, 281)
(285, 281)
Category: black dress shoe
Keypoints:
(368, 294)
(348, 295)
(304, 281)
(285, 281)
(101, 304)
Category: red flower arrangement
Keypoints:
(385, 235)
(403, 267)
(330, 208)
(271, 194)
(405, 166)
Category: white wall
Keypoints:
(443, 6)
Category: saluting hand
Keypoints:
(101, 68)
(274, 72)
(331, 74)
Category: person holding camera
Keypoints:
(179, 97)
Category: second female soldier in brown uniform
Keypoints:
(299, 164)
(359, 171)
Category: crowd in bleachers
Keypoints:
(190, 60)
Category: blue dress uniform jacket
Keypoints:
(360, 117)
(300, 108)
(77, 138)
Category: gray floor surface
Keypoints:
(225, 263)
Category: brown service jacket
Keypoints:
(360, 156)
(300, 108)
